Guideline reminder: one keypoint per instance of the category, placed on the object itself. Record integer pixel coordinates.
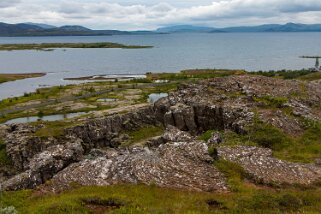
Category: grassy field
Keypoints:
(244, 198)
(13, 77)
(50, 46)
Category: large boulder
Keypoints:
(44, 165)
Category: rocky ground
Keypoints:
(92, 153)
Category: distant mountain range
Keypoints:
(38, 29)
(289, 27)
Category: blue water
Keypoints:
(171, 53)
(44, 118)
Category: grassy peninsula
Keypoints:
(12, 77)
(51, 46)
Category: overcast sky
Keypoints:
(151, 14)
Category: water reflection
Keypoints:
(44, 118)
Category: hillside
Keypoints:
(31, 29)
(289, 27)
(222, 141)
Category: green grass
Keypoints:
(286, 74)
(304, 149)
(143, 134)
(268, 136)
(272, 101)
(311, 77)
(40, 94)
(53, 128)
(206, 135)
(48, 46)
(194, 74)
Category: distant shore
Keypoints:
(52, 46)
(106, 77)
(12, 77)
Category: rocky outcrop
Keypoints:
(199, 117)
(105, 132)
(89, 153)
(183, 163)
(230, 103)
(46, 164)
(22, 145)
(37, 159)
(264, 168)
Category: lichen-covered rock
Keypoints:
(230, 103)
(46, 164)
(184, 165)
(22, 145)
(104, 132)
(264, 168)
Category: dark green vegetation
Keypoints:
(304, 148)
(272, 101)
(4, 160)
(50, 46)
(13, 77)
(143, 134)
(289, 74)
(194, 74)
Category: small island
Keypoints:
(12, 77)
(51, 46)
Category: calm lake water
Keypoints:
(171, 53)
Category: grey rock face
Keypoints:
(230, 103)
(184, 165)
(22, 145)
(36, 159)
(45, 164)
(101, 133)
(264, 168)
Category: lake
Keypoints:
(171, 53)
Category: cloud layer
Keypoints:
(149, 14)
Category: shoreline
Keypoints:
(6, 77)
(52, 46)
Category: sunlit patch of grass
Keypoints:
(305, 148)
(143, 133)
(311, 77)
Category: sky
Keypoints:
(152, 14)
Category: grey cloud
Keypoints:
(150, 14)
(8, 3)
